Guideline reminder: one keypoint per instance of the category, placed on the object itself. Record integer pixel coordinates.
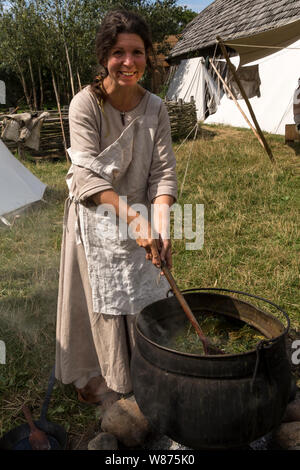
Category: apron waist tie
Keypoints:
(78, 234)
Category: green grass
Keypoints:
(252, 234)
(251, 243)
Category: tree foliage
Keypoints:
(56, 38)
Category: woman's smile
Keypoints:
(128, 74)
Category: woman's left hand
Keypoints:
(165, 251)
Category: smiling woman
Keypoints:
(121, 152)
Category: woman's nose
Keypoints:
(128, 60)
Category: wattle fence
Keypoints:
(183, 118)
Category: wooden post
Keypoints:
(35, 106)
(236, 102)
(233, 71)
(60, 117)
(41, 88)
(21, 151)
(70, 69)
(24, 86)
(79, 81)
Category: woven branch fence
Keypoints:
(51, 141)
(183, 118)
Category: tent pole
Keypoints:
(265, 144)
(236, 101)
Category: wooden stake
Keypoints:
(41, 88)
(70, 70)
(35, 106)
(24, 86)
(79, 81)
(21, 151)
(233, 71)
(60, 116)
(236, 102)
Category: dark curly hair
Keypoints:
(116, 22)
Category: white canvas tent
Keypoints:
(279, 73)
(264, 32)
(18, 186)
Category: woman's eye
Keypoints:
(139, 52)
(117, 53)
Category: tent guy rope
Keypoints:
(261, 46)
(188, 161)
(177, 150)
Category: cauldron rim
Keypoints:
(261, 344)
(211, 402)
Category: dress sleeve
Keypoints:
(162, 178)
(85, 133)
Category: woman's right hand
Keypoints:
(149, 243)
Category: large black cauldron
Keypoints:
(210, 402)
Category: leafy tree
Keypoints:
(42, 40)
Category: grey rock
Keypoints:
(103, 441)
(126, 422)
(288, 435)
(262, 443)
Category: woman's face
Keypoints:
(126, 60)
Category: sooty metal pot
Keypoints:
(211, 402)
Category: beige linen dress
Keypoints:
(100, 289)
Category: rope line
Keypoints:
(262, 47)
(186, 137)
(284, 114)
(189, 157)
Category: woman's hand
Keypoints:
(157, 250)
(161, 220)
(165, 251)
(150, 244)
(152, 253)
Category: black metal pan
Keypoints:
(18, 438)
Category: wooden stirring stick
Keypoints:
(207, 346)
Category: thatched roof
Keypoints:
(232, 19)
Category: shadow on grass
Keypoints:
(203, 134)
(295, 146)
(55, 194)
(206, 134)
